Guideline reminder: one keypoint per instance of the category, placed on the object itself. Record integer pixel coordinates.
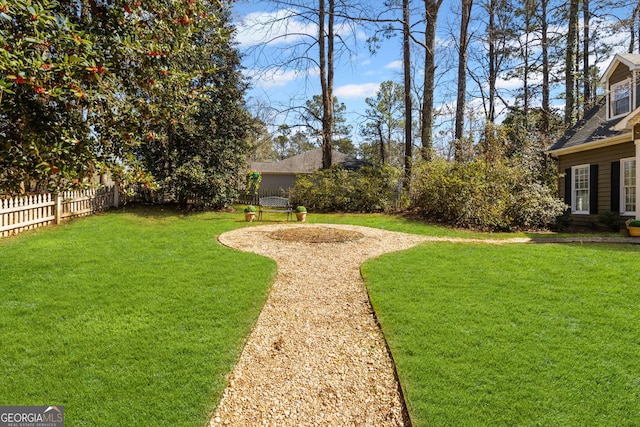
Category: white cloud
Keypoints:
(273, 79)
(284, 27)
(394, 65)
(357, 91)
(275, 28)
(509, 84)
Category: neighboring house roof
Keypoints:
(592, 131)
(306, 162)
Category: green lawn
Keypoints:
(126, 318)
(404, 224)
(512, 335)
(135, 317)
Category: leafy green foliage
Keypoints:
(504, 182)
(253, 178)
(197, 154)
(312, 115)
(384, 127)
(368, 189)
(288, 144)
(48, 75)
(611, 219)
(477, 194)
(135, 88)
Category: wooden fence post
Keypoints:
(58, 208)
(116, 195)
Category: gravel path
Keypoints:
(316, 356)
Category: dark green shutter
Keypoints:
(615, 186)
(593, 189)
(568, 188)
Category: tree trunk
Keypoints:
(325, 46)
(570, 61)
(632, 31)
(462, 77)
(634, 25)
(493, 72)
(431, 9)
(383, 155)
(544, 30)
(585, 55)
(637, 18)
(408, 136)
(526, 57)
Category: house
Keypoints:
(597, 157)
(278, 177)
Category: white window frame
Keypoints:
(574, 189)
(623, 192)
(612, 92)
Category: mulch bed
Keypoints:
(316, 235)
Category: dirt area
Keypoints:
(316, 235)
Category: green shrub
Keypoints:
(634, 223)
(610, 219)
(369, 189)
(484, 196)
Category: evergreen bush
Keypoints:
(489, 196)
(368, 189)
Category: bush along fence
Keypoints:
(28, 212)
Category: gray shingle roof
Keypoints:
(593, 127)
(306, 162)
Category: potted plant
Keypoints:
(633, 226)
(250, 213)
(252, 181)
(301, 213)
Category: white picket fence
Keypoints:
(28, 212)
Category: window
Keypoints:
(628, 183)
(620, 98)
(580, 190)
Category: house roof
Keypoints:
(594, 130)
(306, 162)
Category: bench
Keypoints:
(274, 204)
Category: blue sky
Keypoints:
(358, 73)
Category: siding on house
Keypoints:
(602, 142)
(603, 157)
(621, 73)
(278, 182)
(279, 177)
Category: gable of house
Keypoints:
(597, 157)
